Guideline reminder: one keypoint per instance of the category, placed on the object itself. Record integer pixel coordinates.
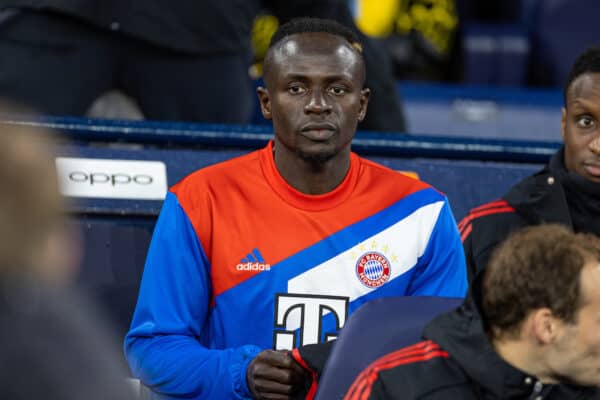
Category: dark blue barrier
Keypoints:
(177, 134)
(117, 232)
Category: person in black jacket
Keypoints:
(180, 60)
(566, 191)
(532, 331)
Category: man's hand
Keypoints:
(274, 375)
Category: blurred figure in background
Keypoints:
(420, 36)
(52, 343)
(178, 60)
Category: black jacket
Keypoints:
(537, 199)
(201, 27)
(456, 361)
(55, 344)
(195, 26)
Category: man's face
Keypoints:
(581, 126)
(314, 95)
(575, 356)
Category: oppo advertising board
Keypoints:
(112, 179)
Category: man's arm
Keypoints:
(465, 228)
(441, 270)
(162, 346)
(365, 389)
(483, 228)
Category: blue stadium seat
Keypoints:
(375, 329)
(482, 112)
(561, 29)
(114, 252)
(495, 54)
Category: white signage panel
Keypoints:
(112, 179)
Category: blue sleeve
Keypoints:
(441, 270)
(162, 345)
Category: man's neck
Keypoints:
(308, 176)
(522, 356)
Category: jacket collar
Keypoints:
(540, 198)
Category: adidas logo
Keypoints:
(253, 262)
(253, 266)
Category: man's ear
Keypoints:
(265, 101)
(563, 123)
(365, 94)
(545, 326)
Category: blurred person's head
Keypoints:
(314, 75)
(34, 242)
(581, 116)
(541, 302)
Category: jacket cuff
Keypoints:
(238, 371)
(312, 390)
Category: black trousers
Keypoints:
(58, 65)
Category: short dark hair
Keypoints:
(586, 62)
(307, 25)
(311, 25)
(536, 267)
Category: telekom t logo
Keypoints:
(305, 312)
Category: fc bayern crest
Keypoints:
(373, 269)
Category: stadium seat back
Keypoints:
(375, 329)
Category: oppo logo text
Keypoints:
(101, 178)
